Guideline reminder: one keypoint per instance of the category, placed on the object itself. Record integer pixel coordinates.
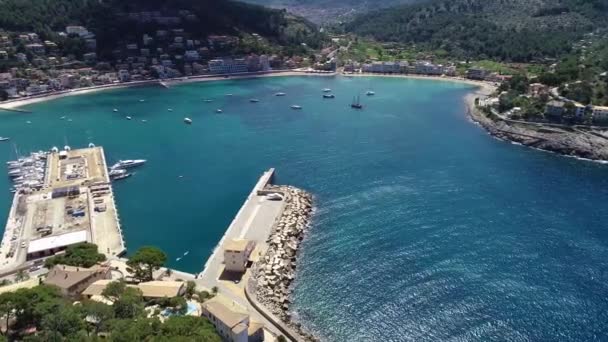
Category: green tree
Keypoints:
(7, 306)
(80, 255)
(145, 261)
(281, 338)
(130, 304)
(97, 314)
(62, 321)
(114, 290)
(190, 288)
(21, 275)
(189, 328)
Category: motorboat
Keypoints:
(327, 90)
(169, 109)
(4, 139)
(296, 107)
(126, 175)
(115, 110)
(125, 164)
(188, 120)
(370, 93)
(144, 120)
(117, 172)
(228, 94)
(207, 100)
(329, 96)
(128, 117)
(254, 100)
(142, 100)
(280, 94)
(218, 110)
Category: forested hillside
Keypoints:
(108, 19)
(509, 30)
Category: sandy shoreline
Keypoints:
(14, 104)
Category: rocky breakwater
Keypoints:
(275, 271)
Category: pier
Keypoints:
(74, 204)
(254, 222)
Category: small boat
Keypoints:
(28, 122)
(91, 145)
(254, 100)
(5, 138)
(356, 103)
(119, 177)
(188, 121)
(329, 96)
(144, 120)
(128, 117)
(280, 94)
(296, 107)
(178, 258)
(117, 172)
(69, 120)
(207, 100)
(228, 94)
(218, 110)
(142, 100)
(62, 118)
(370, 93)
(170, 109)
(327, 90)
(115, 110)
(186, 253)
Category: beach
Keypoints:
(16, 103)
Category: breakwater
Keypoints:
(274, 273)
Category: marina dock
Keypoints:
(72, 202)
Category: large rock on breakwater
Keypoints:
(275, 271)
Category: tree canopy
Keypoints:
(145, 261)
(81, 255)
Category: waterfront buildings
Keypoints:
(600, 114)
(72, 281)
(477, 73)
(232, 326)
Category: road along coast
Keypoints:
(272, 276)
(575, 141)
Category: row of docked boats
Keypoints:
(28, 173)
(120, 171)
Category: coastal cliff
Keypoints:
(273, 274)
(575, 141)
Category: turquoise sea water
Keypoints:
(426, 228)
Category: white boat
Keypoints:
(125, 164)
(296, 107)
(329, 96)
(186, 253)
(188, 120)
(218, 110)
(115, 110)
(62, 118)
(144, 120)
(170, 109)
(207, 100)
(327, 90)
(4, 138)
(254, 100)
(228, 94)
(28, 122)
(128, 117)
(142, 100)
(119, 177)
(280, 94)
(370, 93)
(178, 258)
(117, 172)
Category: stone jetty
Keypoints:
(275, 271)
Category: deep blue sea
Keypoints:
(426, 228)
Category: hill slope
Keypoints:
(110, 22)
(323, 11)
(512, 30)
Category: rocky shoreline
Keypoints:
(573, 141)
(274, 273)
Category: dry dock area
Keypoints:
(74, 204)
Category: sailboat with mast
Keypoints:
(356, 103)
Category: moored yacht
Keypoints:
(188, 120)
(280, 94)
(125, 164)
(327, 90)
(329, 96)
(296, 107)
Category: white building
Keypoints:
(50, 245)
(77, 30)
(227, 66)
(600, 114)
(236, 254)
(124, 76)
